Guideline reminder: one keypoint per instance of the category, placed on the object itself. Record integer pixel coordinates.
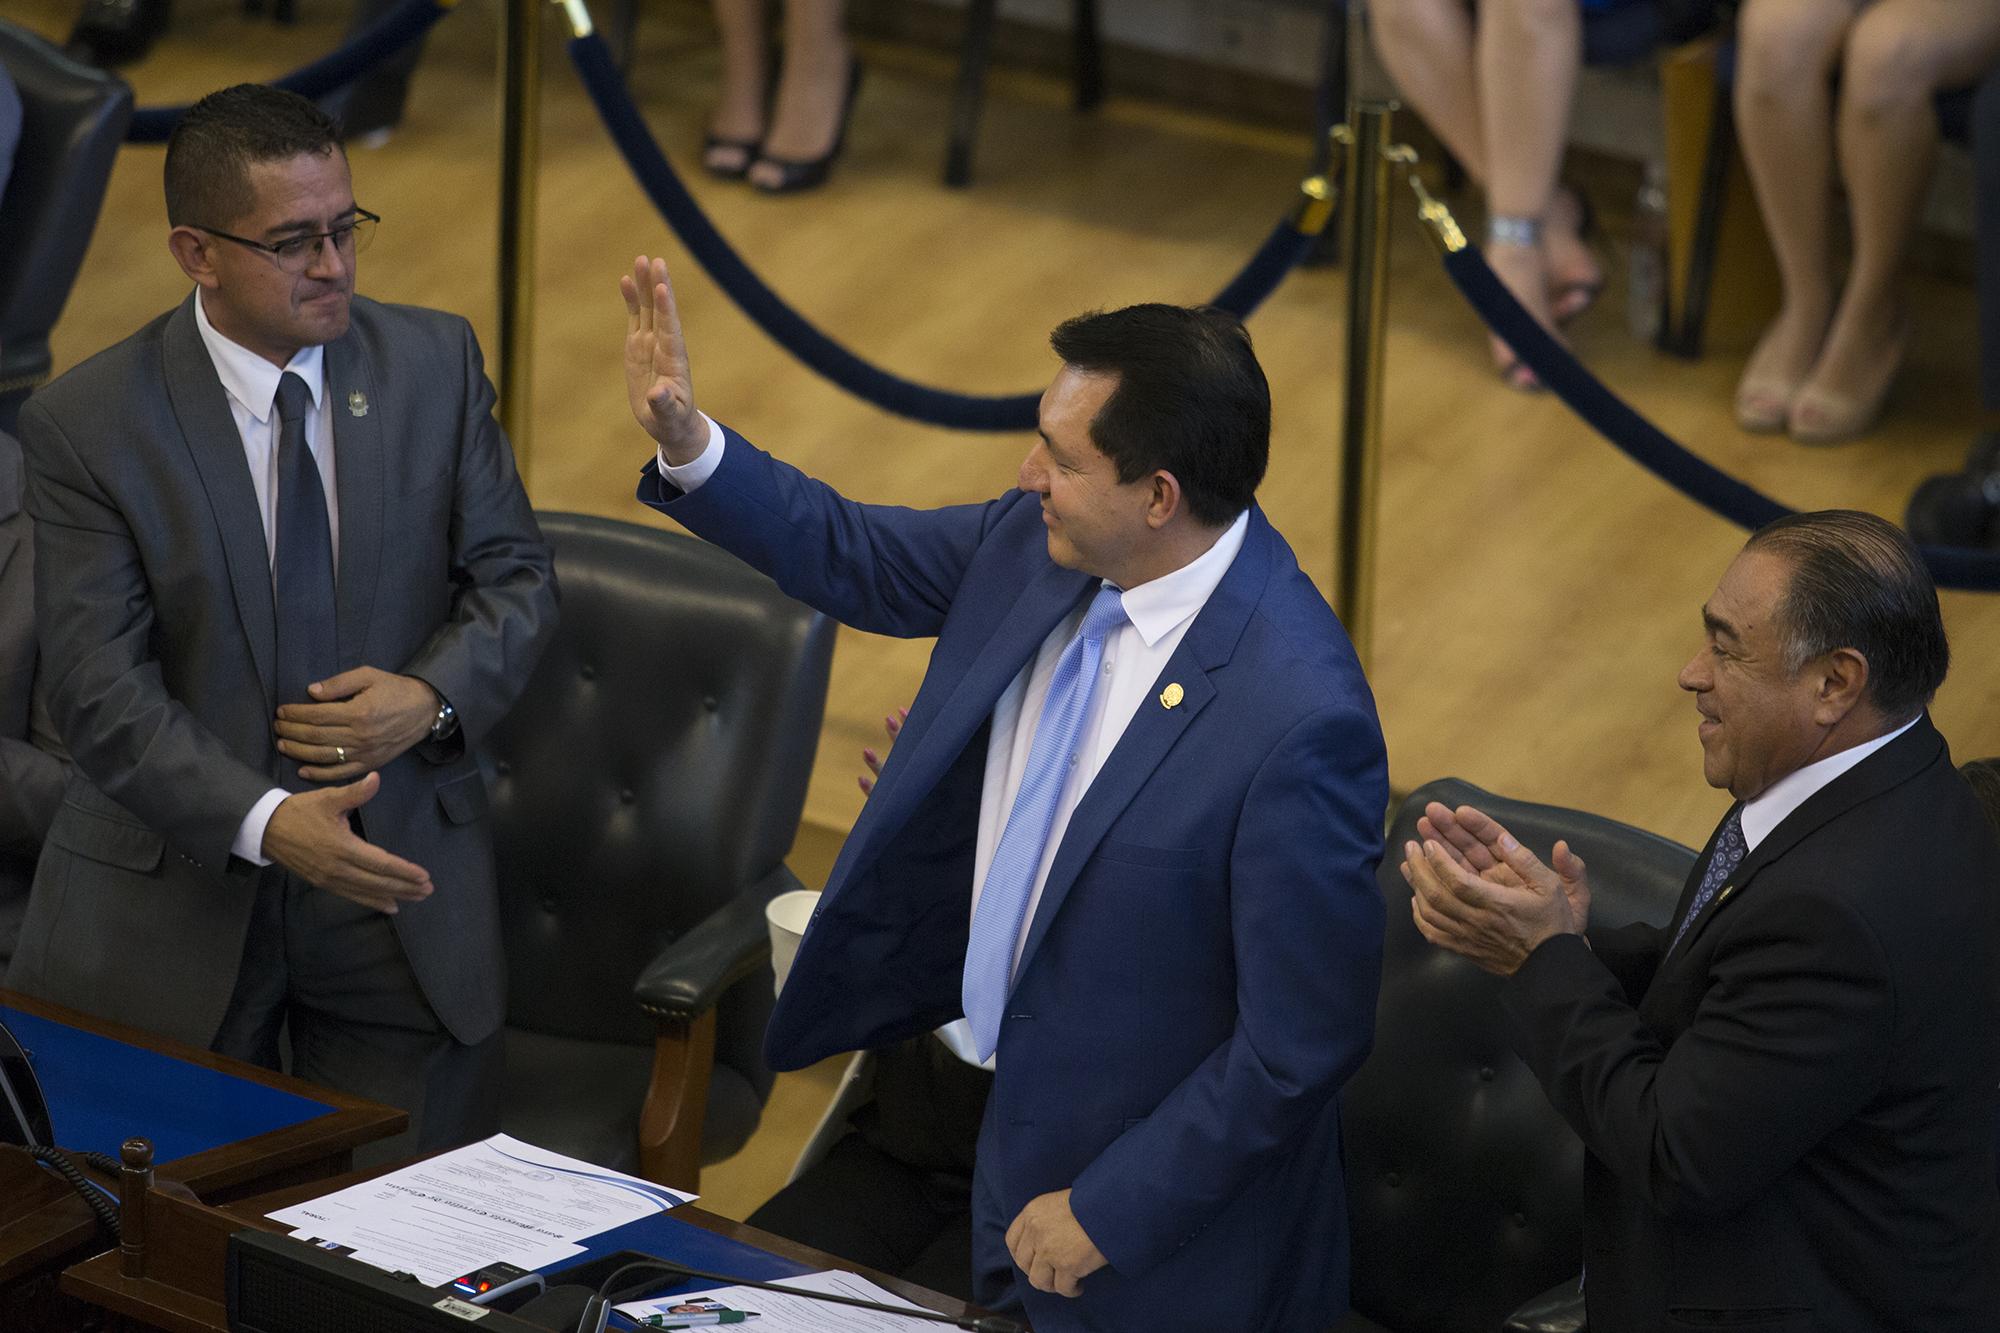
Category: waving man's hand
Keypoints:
(657, 383)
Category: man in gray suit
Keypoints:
(31, 777)
(287, 576)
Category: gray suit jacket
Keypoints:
(31, 776)
(158, 625)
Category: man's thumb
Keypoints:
(357, 793)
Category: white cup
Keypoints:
(787, 915)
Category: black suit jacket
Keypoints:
(1790, 1118)
(31, 774)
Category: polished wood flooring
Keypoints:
(1536, 592)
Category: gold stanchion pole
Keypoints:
(520, 147)
(1370, 158)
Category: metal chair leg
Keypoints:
(965, 108)
(1089, 56)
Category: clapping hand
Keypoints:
(1480, 893)
(657, 383)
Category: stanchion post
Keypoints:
(520, 150)
(1370, 159)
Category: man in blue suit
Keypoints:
(1129, 829)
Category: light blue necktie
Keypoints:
(1730, 849)
(1010, 880)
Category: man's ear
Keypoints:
(1843, 685)
(192, 251)
(1166, 499)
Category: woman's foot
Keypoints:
(814, 94)
(736, 130)
(1515, 253)
(1778, 368)
(1850, 382)
(1576, 278)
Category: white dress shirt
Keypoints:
(251, 383)
(1765, 812)
(1158, 614)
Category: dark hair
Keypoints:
(1983, 776)
(1191, 400)
(211, 150)
(1857, 582)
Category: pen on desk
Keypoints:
(697, 1320)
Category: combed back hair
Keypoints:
(211, 150)
(1191, 400)
(1857, 582)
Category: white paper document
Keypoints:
(777, 1312)
(500, 1200)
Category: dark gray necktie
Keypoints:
(1730, 849)
(303, 572)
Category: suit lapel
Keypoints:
(941, 735)
(358, 476)
(201, 409)
(1892, 765)
(1154, 729)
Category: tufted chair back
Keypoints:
(73, 122)
(1465, 1188)
(652, 773)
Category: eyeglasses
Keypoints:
(296, 254)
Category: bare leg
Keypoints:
(1426, 45)
(812, 91)
(1784, 119)
(739, 114)
(1898, 55)
(1528, 55)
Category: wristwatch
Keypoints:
(445, 723)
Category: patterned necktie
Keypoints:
(1730, 849)
(302, 571)
(1010, 880)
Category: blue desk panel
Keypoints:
(102, 1092)
(665, 1236)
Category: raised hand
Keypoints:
(1480, 893)
(658, 386)
(309, 835)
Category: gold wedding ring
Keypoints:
(340, 754)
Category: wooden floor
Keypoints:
(1537, 593)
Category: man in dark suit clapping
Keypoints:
(1788, 1094)
(287, 577)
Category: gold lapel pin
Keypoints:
(357, 404)
(1171, 696)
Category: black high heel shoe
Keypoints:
(796, 174)
(747, 147)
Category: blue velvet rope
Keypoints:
(1647, 445)
(791, 330)
(370, 47)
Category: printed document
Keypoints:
(497, 1201)
(777, 1312)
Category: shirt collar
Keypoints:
(250, 379)
(1157, 606)
(1765, 812)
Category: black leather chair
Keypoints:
(645, 790)
(73, 120)
(1464, 1187)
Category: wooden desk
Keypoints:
(180, 1284)
(44, 1226)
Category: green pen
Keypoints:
(697, 1320)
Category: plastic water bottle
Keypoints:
(1646, 273)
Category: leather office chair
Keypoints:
(645, 791)
(1464, 1187)
(73, 120)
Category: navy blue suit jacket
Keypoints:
(1200, 975)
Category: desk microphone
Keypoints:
(598, 1309)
